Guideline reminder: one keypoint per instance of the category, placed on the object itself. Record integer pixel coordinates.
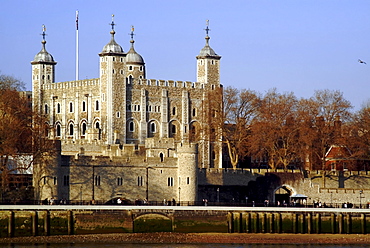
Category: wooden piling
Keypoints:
(70, 222)
(11, 224)
(35, 223)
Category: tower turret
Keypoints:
(43, 72)
(112, 90)
(135, 64)
(208, 63)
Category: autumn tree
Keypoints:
(22, 133)
(328, 110)
(358, 135)
(239, 110)
(275, 129)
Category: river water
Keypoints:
(113, 245)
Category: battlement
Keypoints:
(72, 84)
(187, 148)
(168, 83)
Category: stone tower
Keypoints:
(112, 92)
(208, 74)
(43, 72)
(208, 64)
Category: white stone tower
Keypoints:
(112, 91)
(208, 73)
(43, 71)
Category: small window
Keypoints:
(97, 105)
(66, 180)
(141, 68)
(140, 181)
(170, 181)
(161, 157)
(97, 181)
(97, 125)
(121, 59)
(188, 180)
(152, 127)
(58, 108)
(55, 180)
(194, 112)
(118, 114)
(46, 109)
(114, 59)
(174, 111)
(83, 106)
(119, 181)
(173, 128)
(71, 107)
(71, 129)
(83, 129)
(58, 131)
(131, 126)
(130, 68)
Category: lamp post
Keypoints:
(179, 196)
(361, 192)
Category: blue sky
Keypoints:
(292, 45)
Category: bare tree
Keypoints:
(274, 131)
(239, 111)
(23, 135)
(358, 135)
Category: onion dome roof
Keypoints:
(132, 56)
(112, 46)
(43, 55)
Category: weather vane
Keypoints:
(112, 24)
(43, 31)
(132, 32)
(207, 29)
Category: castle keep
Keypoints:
(123, 135)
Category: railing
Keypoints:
(185, 203)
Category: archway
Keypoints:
(153, 222)
(282, 195)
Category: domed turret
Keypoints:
(43, 55)
(132, 57)
(207, 51)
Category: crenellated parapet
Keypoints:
(71, 84)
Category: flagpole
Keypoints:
(76, 45)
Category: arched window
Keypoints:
(71, 129)
(97, 125)
(131, 126)
(152, 127)
(46, 109)
(83, 128)
(58, 131)
(173, 128)
(161, 156)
